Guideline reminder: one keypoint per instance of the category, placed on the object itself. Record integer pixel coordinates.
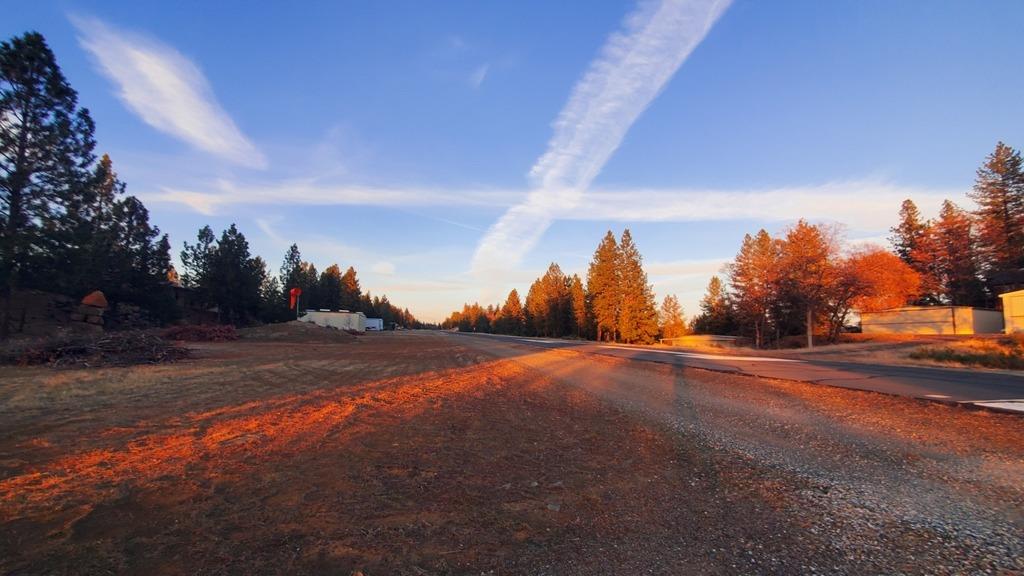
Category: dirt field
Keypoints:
(427, 453)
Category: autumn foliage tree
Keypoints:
(671, 322)
(883, 279)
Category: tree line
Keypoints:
(223, 275)
(615, 304)
(807, 281)
(66, 223)
(68, 226)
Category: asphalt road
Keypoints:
(984, 388)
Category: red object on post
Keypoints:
(294, 294)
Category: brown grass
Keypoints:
(1006, 353)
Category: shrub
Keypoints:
(201, 333)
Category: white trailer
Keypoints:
(375, 324)
(340, 320)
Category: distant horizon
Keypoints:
(451, 153)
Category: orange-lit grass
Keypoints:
(1006, 353)
(223, 438)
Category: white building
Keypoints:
(932, 320)
(1013, 311)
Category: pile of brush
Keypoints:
(202, 333)
(111, 349)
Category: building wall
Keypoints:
(340, 320)
(933, 320)
(1013, 311)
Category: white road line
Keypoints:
(535, 340)
(693, 355)
(935, 396)
(1013, 404)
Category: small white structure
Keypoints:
(1013, 311)
(343, 320)
(932, 320)
(375, 324)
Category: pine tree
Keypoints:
(536, 309)
(950, 256)
(578, 302)
(46, 144)
(638, 315)
(225, 275)
(671, 322)
(350, 290)
(308, 280)
(289, 275)
(716, 314)
(235, 278)
(329, 288)
(754, 278)
(909, 233)
(197, 263)
(999, 193)
(604, 288)
(512, 319)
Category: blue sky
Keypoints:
(451, 150)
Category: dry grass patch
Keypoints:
(1006, 353)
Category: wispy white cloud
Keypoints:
(860, 204)
(166, 90)
(632, 69)
(223, 194)
(685, 268)
(384, 268)
(476, 79)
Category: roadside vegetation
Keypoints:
(1006, 353)
(787, 290)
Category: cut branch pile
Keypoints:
(114, 349)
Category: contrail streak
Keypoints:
(632, 69)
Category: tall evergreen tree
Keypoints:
(536, 309)
(754, 278)
(197, 263)
(909, 233)
(999, 194)
(309, 282)
(716, 315)
(604, 287)
(512, 318)
(225, 274)
(671, 322)
(350, 290)
(46, 144)
(290, 268)
(950, 256)
(580, 312)
(638, 315)
(329, 288)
